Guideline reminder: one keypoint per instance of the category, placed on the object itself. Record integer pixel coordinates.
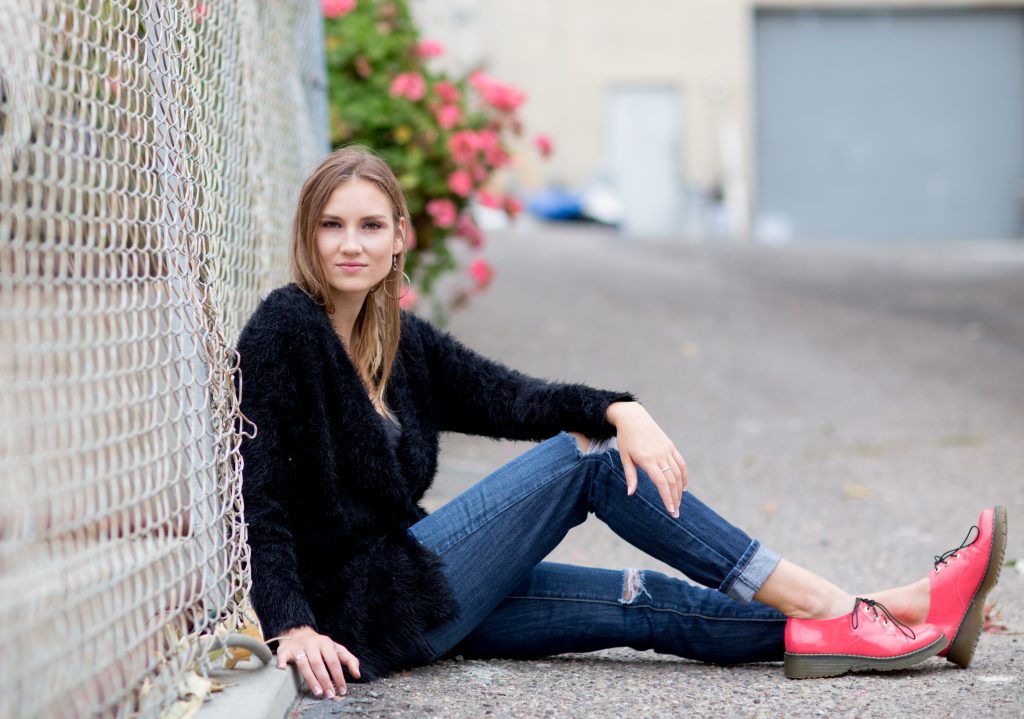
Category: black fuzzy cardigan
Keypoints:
(328, 501)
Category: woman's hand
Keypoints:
(319, 659)
(643, 444)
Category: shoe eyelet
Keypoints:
(885, 623)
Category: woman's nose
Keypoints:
(349, 241)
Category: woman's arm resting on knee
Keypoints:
(476, 395)
(642, 443)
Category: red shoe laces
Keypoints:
(945, 557)
(874, 607)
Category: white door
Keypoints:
(643, 158)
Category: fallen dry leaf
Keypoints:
(193, 690)
(858, 491)
(993, 620)
(234, 655)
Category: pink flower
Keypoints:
(463, 145)
(461, 183)
(468, 230)
(502, 97)
(489, 199)
(337, 8)
(429, 48)
(544, 145)
(363, 67)
(496, 157)
(513, 207)
(417, 88)
(201, 12)
(399, 85)
(447, 92)
(480, 79)
(442, 212)
(488, 140)
(448, 116)
(481, 272)
(410, 85)
(409, 299)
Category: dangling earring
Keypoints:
(405, 277)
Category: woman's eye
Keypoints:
(330, 223)
(372, 225)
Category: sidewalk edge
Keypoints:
(265, 692)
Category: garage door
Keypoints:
(890, 124)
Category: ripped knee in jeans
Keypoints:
(633, 586)
(582, 441)
(594, 446)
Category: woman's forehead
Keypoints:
(357, 195)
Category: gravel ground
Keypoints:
(854, 408)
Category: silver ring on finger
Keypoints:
(300, 655)
(666, 469)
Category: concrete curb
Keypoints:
(252, 691)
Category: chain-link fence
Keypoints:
(150, 153)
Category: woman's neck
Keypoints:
(346, 311)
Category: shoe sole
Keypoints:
(813, 666)
(965, 640)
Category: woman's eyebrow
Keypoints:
(328, 216)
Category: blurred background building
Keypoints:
(780, 120)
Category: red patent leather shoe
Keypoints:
(960, 580)
(869, 638)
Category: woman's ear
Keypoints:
(399, 237)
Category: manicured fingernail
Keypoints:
(675, 516)
(343, 691)
(330, 694)
(317, 691)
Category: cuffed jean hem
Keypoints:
(754, 567)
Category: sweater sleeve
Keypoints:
(269, 398)
(476, 395)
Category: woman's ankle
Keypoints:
(801, 594)
(828, 603)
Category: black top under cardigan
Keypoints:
(328, 499)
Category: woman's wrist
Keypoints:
(296, 632)
(616, 410)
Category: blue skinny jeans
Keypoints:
(493, 537)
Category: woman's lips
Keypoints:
(350, 266)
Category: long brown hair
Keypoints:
(376, 331)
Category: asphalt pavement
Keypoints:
(852, 406)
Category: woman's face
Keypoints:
(356, 239)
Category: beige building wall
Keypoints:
(568, 54)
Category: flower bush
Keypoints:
(445, 137)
